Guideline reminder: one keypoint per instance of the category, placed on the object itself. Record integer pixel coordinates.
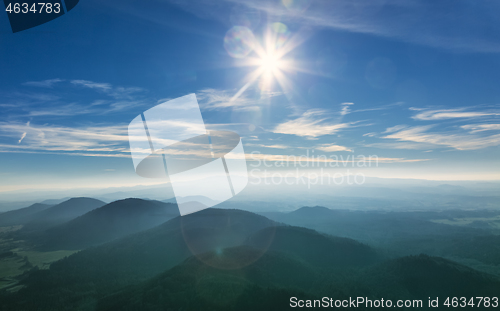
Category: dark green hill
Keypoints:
(377, 228)
(425, 276)
(23, 215)
(311, 212)
(315, 248)
(213, 268)
(109, 222)
(147, 253)
(126, 261)
(61, 213)
(194, 285)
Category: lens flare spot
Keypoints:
(239, 41)
(279, 27)
(296, 5)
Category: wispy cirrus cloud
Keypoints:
(92, 85)
(400, 145)
(91, 140)
(45, 83)
(394, 128)
(213, 99)
(455, 140)
(296, 159)
(444, 114)
(458, 25)
(272, 146)
(118, 92)
(474, 128)
(87, 141)
(333, 148)
(310, 124)
(59, 101)
(61, 109)
(22, 137)
(345, 108)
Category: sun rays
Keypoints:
(270, 60)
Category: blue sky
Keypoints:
(413, 82)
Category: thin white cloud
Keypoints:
(125, 92)
(24, 134)
(332, 148)
(71, 109)
(311, 124)
(400, 145)
(345, 109)
(27, 104)
(474, 128)
(118, 92)
(45, 83)
(92, 140)
(93, 85)
(443, 114)
(22, 137)
(463, 26)
(104, 140)
(319, 159)
(458, 141)
(275, 146)
(7, 149)
(394, 128)
(213, 99)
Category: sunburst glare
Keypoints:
(270, 60)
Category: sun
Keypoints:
(269, 63)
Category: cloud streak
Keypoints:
(92, 85)
(323, 159)
(110, 99)
(45, 83)
(332, 148)
(116, 92)
(22, 137)
(445, 114)
(475, 128)
(213, 99)
(458, 25)
(89, 141)
(311, 125)
(275, 146)
(345, 109)
(458, 141)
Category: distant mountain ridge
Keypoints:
(312, 211)
(23, 215)
(315, 248)
(220, 259)
(427, 276)
(378, 228)
(109, 222)
(146, 253)
(61, 213)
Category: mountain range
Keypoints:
(141, 255)
(108, 222)
(61, 213)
